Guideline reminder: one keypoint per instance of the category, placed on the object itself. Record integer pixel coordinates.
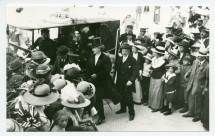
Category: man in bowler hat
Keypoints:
(127, 72)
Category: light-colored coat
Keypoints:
(199, 77)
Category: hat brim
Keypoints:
(147, 57)
(93, 92)
(172, 54)
(175, 67)
(40, 101)
(31, 74)
(74, 105)
(153, 50)
(201, 55)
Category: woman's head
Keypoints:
(170, 69)
(134, 49)
(187, 60)
(98, 48)
(61, 119)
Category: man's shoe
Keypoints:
(196, 119)
(187, 115)
(164, 109)
(120, 111)
(154, 110)
(185, 109)
(145, 104)
(168, 113)
(131, 117)
(100, 121)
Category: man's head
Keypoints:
(62, 52)
(125, 52)
(204, 33)
(45, 33)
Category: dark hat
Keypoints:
(130, 26)
(96, 40)
(205, 30)
(72, 74)
(184, 43)
(75, 56)
(17, 63)
(16, 81)
(125, 46)
(172, 65)
(188, 58)
(63, 50)
(44, 31)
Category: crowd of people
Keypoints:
(60, 85)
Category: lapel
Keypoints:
(201, 67)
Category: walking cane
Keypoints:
(108, 104)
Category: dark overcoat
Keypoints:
(104, 83)
(140, 61)
(125, 73)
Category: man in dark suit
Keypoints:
(61, 60)
(127, 72)
(197, 84)
(98, 70)
(128, 30)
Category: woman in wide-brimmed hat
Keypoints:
(137, 95)
(155, 89)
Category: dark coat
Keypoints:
(123, 37)
(139, 61)
(127, 72)
(58, 65)
(170, 86)
(47, 46)
(104, 84)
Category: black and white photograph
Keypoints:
(103, 68)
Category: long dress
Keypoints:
(156, 93)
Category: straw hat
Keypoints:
(43, 69)
(17, 63)
(174, 52)
(159, 48)
(88, 89)
(55, 77)
(203, 52)
(41, 95)
(171, 65)
(73, 99)
(59, 84)
(13, 126)
(148, 56)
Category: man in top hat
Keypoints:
(127, 72)
(128, 30)
(46, 45)
(98, 72)
(61, 60)
(197, 84)
(143, 36)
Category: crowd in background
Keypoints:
(60, 85)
